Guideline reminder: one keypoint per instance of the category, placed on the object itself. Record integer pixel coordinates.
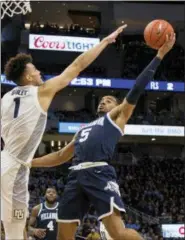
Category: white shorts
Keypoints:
(14, 189)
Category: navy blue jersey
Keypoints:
(46, 219)
(96, 141)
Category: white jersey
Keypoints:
(23, 122)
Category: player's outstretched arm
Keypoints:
(123, 112)
(55, 158)
(50, 87)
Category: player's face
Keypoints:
(51, 195)
(33, 75)
(106, 104)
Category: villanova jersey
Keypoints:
(23, 122)
(46, 219)
(96, 141)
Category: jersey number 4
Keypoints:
(84, 134)
(50, 226)
(17, 105)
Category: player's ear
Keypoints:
(28, 78)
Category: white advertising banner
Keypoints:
(173, 230)
(61, 43)
(152, 130)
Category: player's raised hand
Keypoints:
(40, 233)
(112, 37)
(168, 45)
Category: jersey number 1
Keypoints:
(17, 105)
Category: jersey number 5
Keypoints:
(50, 226)
(17, 105)
(84, 134)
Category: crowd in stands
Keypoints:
(154, 187)
(54, 29)
(164, 117)
(54, 69)
(171, 68)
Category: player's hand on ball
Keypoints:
(112, 37)
(167, 46)
(40, 233)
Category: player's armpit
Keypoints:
(122, 113)
(55, 158)
(125, 110)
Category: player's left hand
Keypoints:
(112, 37)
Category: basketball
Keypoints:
(155, 33)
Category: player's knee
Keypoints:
(124, 233)
(66, 231)
(118, 234)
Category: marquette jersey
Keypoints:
(22, 122)
(96, 141)
(46, 219)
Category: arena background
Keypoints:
(149, 159)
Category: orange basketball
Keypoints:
(155, 33)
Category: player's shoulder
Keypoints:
(36, 209)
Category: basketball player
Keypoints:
(91, 178)
(23, 120)
(42, 224)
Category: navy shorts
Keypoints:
(97, 186)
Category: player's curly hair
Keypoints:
(15, 67)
